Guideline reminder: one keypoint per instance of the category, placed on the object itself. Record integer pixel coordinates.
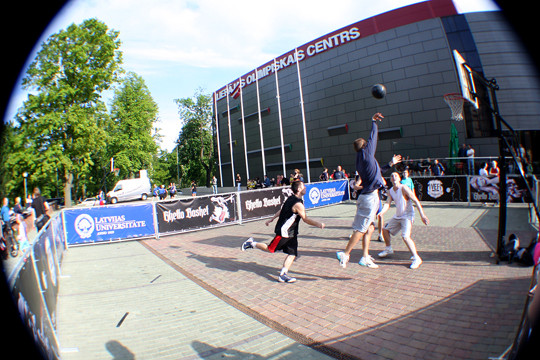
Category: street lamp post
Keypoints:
(25, 175)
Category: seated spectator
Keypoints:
(484, 170)
(494, 169)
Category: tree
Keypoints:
(60, 128)
(195, 141)
(133, 115)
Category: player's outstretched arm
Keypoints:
(301, 211)
(276, 215)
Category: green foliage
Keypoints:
(64, 137)
(195, 141)
(133, 114)
(59, 132)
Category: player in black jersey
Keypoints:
(286, 230)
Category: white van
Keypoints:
(130, 189)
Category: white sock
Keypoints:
(283, 271)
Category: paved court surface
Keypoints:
(197, 296)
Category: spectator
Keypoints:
(462, 154)
(470, 160)
(40, 207)
(5, 211)
(194, 188)
(426, 166)
(339, 174)
(17, 208)
(214, 185)
(22, 233)
(484, 170)
(437, 169)
(324, 175)
(494, 169)
(266, 181)
(238, 181)
(162, 193)
(172, 190)
(407, 180)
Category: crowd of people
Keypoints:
(161, 192)
(35, 211)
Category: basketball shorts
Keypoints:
(367, 206)
(396, 225)
(287, 245)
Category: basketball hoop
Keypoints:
(455, 102)
(116, 171)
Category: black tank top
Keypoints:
(287, 225)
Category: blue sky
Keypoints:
(179, 46)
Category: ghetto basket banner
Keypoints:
(486, 189)
(195, 213)
(261, 203)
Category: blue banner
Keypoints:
(106, 223)
(326, 193)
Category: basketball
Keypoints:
(378, 91)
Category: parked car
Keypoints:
(89, 202)
(131, 189)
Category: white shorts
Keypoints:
(395, 225)
(367, 206)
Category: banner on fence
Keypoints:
(444, 189)
(58, 234)
(46, 266)
(195, 213)
(486, 189)
(107, 223)
(260, 203)
(32, 309)
(326, 193)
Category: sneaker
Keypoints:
(387, 251)
(416, 263)
(343, 259)
(368, 262)
(286, 278)
(248, 244)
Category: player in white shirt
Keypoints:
(403, 219)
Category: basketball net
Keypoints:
(455, 102)
(116, 171)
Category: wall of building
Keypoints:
(413, 61)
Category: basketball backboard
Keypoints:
(478, 101)
(465, 75)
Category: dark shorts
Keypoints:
(287, 245)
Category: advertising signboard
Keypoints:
(326, 193)
(107, 223)
(195, 213)
(266, 202)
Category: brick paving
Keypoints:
(201, 297)
(458, 304)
